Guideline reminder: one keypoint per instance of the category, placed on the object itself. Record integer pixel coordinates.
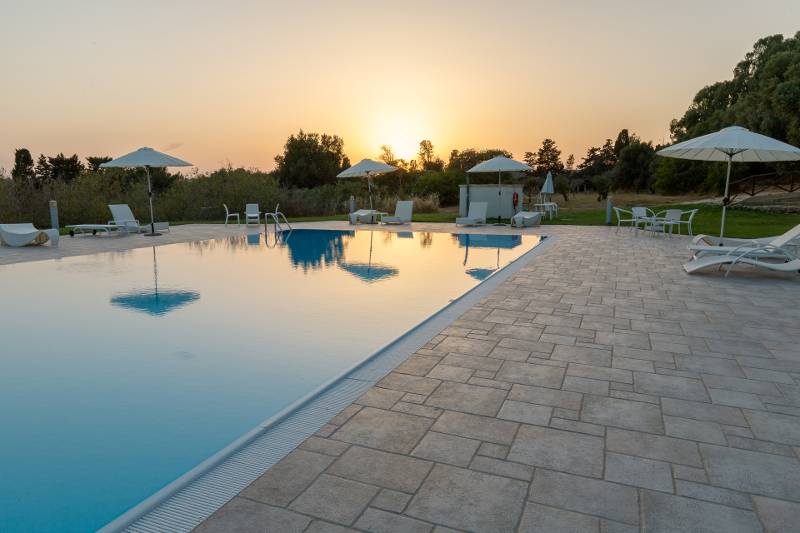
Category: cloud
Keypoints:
(172, 146)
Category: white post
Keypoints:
(369, 188)
(725, 201)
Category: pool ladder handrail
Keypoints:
(276, 216)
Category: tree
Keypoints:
(570, 162)
(546, 159)
(65, 168)
(623, 140)
(466, 159)
(95, 162)
(427, 157)
(634, 166)
(310, 160)
(23, 165)
(598, 160)
(44, 170)
(387, 155)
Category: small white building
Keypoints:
(501, 204)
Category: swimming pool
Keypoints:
(121, 371)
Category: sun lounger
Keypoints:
(93, 228)
(476, 215)
(122, 218)
(765, 246)
(363, 216)
(525, 219)
(788, 264)
(25, 234)
(402, 213)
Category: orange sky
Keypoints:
(218, 82)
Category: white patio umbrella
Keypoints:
(734, 144)
(366, 168)
(497, 164)
(548, 188)
(147, 158)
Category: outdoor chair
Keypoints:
(402, 213)
(24, 234)
(525, 219)
(251, 211)
(774, 247)
(476, 215)
(229, 215)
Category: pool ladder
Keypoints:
(276, 217)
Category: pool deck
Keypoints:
(599, 389)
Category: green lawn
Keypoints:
(741, 222)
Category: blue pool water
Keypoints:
(121, 371)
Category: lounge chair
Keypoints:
(760, 247)
(123, 219)
(251, 211)
(757, 257)
(476, 215)
(525, 219)
(25, 234)
(402, 213)
(229, 215)
(363, 216)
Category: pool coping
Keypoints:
(191, 511)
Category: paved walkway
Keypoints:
(600, 389)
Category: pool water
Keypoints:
(121, 371)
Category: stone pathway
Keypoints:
(600, 389)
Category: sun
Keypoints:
(402, 131)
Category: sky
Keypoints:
(220, 83)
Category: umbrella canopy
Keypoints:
(732, 144)
(147, 158)
(497, 164)
(154, 302)
(548, 188)
(366, 168)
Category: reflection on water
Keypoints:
(155, 302)
(312, 250)
(477, 240)
(369, 272)
(481, 273)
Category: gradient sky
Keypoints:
(216, 82)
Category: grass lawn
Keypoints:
(584, 210)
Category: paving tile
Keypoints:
(580, 427)
(735, 398)
(489, 449)
(622, 413)
(630, 340)
(483, 382)
(474, 362)
(687, 428)
(776, 515)
(335, 499)
(754, 472)
(443, 448)
(759, 446)
(450, 373)
(417, 410)
(289, 477)
(542, 519)
(653, 447)
(465, 346)
(409, 383)
(467, 398)
(469, 500)
(545, 396)
(634, 396)
(530, 346)
(689, 473)
(525, 333)
(320, 526)
(374, 467)
(418, 365)
(499, 467)
(674, 514)
(525, 412)
(584, 495)
(702, 491)
(377, 521)
(585, 386)
(345, 414)
(326, 446)
(386, 430)
(767, 375)
(703, 411)
(476, 427)
(578, 354)
(627, 363)
(528, 374)
(673, 386)
(741, 385)
(709, 365)
(381, 398)
(774, 427)
(244, 516)
(567, 451)
(639, 472)
(510, 354)
(597, 372)
(391, 500)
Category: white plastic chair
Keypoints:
(251, 211)
(628, 217)
(476, 215)
(402, 213)
(229, 215)
(123, 218)
(688, 223)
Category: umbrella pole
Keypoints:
(369, 188)
(150, 196)
(499, 196)
(725, 201)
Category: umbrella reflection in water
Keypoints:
(477, 240)
(155, 301)
(369, 271)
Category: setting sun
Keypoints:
(401, 131)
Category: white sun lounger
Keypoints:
(123, 219)
(251, 211)
(402, 213)
(525, 219)
(476, 215)
(91, 228)
(765, 246)
(789, 264)
(25, 234)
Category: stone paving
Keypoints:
(599, 389)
